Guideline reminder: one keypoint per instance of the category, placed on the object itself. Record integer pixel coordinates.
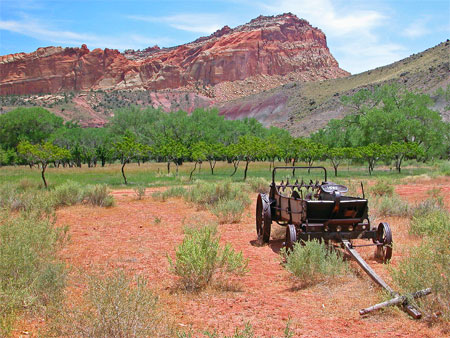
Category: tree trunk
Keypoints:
(176, 164)
(335, 170)
(123, 172)
(44, 166)
(168, 167)
(195, 167)
(236, 165)
(293, 170)
(398, 163)
(245, 171)
(212, 164)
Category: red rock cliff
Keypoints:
(265, 46)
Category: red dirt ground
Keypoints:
(129, 236)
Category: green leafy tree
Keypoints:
(250, 148)
(198, 153)
(173, 151)
(398, 151)
(337, 155)
(127, 149)
(310, 151)
(371, 154)
(42, 154)
(214, 152)
(31, 124)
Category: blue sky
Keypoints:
(361, 34)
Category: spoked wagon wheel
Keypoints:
(263, 218)
(384, 237)
(291, 237)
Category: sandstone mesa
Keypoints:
(273, 46)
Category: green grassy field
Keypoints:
(155, 174)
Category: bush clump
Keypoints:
(382, 188)
(200, 258)
(258, 184)
(392, 206)
(98, 195)
(168, 193)
(231, 197)
(427, 265)
(432, 223)
(31, 277)
(444, 168)
(312, 260)
(139, 191)
(68, 193)
(14, 198)
(228, 211)
(113, 306)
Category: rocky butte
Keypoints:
(283, 47)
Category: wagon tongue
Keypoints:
(401, 300)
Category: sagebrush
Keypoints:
(31, 276)
(313, 260)
(200, 258)
(114, 306)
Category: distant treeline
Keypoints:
(387, 124)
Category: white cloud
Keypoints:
(40, 31)
(197, 23)
(358, 57)
(354, 33)
(329, 18)
(417, 28)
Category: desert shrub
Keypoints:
(258, 184)
(392, 206)
(98, 195)
(435, 222)
(199, 258)
(139, 191)
(174, 192)
(246, 332)
(228, 211)
(68, 193)
(31, 277)
(158, 195)
(313, 260)
(31, 200)
(427, 265)
(168, 193)
(113, 306)
(382, 188)
(26, 184)
(444, 168)
(232, 196)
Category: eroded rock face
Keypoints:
(270, 46)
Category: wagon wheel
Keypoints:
(263, 218)
(291, 237)
(384, 237)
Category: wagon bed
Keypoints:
(321, 211)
